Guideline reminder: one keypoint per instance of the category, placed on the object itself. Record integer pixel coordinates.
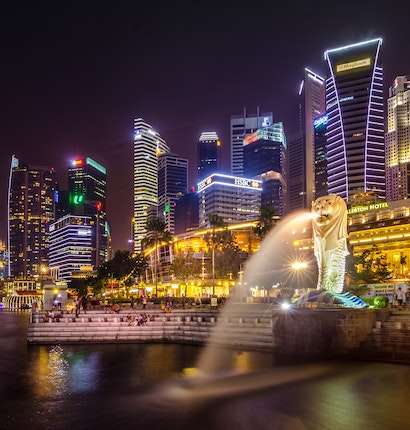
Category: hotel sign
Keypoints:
(366, 208)
(353, 65)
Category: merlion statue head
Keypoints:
(330, 219)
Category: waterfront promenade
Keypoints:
(299, 334)
(248, 327)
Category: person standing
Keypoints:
(84, 303)
(401, 297)
(77, 307)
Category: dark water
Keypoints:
(116, 387)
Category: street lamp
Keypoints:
(298, 266)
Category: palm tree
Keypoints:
(218, 237)
(265, 222)
(156, 233)
(403, 262)
(185, 267)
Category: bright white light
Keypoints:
(299, 265)
(285, 306)
(353, 45)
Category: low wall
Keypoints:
(247, 331)
(294, 335)
(321, 333)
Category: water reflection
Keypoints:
(55, 372)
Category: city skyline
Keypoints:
(101, 124)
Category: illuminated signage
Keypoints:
(250, 138)
(345, 99)
(77, 163)
(266, 121)
(96, 165)
(76, 199)
(230, 181)
(367, 208)
(167, 208)
(320, 121)
(353, 65)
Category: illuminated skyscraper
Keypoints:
(72, 245)
(233, 198)
(172, 185)
(4, 260)
(241, 125)
(30, 211)
(301, 182)
(208, 154)
(87, 195)
(148, 146)
(265, 158)
(320, 126)
(355, 128)
(398, 140)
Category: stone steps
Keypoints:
(195, 328)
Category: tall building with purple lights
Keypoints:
(31, 209)
(301, 182)
(355, 129)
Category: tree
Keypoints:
(369, 267)
(226, 257)
(156, 233)
(265, 221)
(403, 262)
(79, 285)
(218, 237)
(124, 267)
(184, 268)
(228, 260)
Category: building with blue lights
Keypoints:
(233, 198)
(320, 127)
(301, 181)
(265, 158)
(87, 196)
(72, 245)
(355, 129)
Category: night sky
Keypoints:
(74, 77)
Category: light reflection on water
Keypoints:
(56, 372)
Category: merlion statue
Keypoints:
(330, 247)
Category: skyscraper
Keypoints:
(3, 260)
(172, 185)
(320, 124)
(148, 146)
(72, 245)
(355, 128)
(30, 211)
(208, 154)
(87, 196)
(242, 125)
(187, 213)
(265, 158)
(234, 199)
(301, 148)
(398, 140)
